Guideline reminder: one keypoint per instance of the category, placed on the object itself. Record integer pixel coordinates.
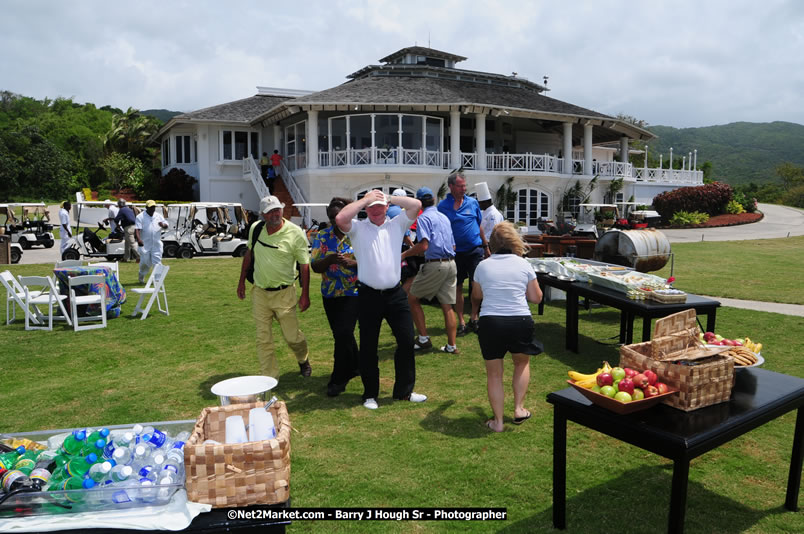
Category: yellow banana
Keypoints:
(589, 383)
(606, 367)
(757, 348)
(578, 377)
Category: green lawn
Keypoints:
(434, 454)
(769, 270)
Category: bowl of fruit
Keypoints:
(746, 353)
(621, 390)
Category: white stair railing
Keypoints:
(252, 172)
(296, 194)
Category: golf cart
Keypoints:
(206, 229)
(32, 228)
(88, 243)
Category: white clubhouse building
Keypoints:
(406, 123)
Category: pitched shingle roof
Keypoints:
(244, 110)
(422, 51)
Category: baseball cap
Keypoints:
(399, 192)
(149, 203)
(121, 202)
(424, 192)
(270, 203)
(107, 202)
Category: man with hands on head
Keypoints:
(377, 244)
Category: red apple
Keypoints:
(604, 379)
(662, 387)
(629, 373)
(709, 337)
(627, 385)
(651, 376)
(650, 391)
(640, 381)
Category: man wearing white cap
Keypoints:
(377, 243)
(148, 231)
(276, 245)
(491, 215)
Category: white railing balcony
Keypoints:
(468, 160)
(612, 168)
(668, 176)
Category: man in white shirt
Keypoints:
(491, 215)
(377, 244)
(110, 215)
(148, 230)
(64, 226)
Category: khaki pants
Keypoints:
(279, 305)
(131, 244)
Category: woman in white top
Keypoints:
(504, 283)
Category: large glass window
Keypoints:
(183, 149)
(433, 134)
(387, 131)
(360, 131)
(296, 138)
(338, 133)
(411, 132)
(166, 152)
(237, 144)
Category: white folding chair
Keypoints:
(154, 287)
(90, 298)
(69, 263)
(113, 265)
(15, 296)
(47, 295)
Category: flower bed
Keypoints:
(727, 219)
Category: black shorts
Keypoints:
(498, 335)
(466, 262)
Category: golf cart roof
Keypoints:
(209, 204)
(598, 205)
(23, 204)
(101, 203)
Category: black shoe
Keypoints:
(472, 326)
(333, 390)
(305, 369)
(418, 345)
(462, 330)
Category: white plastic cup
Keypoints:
(260, 425)
(235, 429)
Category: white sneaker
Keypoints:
(417, 397)
(371, 404)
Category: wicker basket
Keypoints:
(240, 474)
(702, 376)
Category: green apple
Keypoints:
(608, 391)
(638, 395)
(623, 396)
(596, 388)
(617, 373)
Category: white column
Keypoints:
(646, 156)
(689, 161)
(312, 139)
(277, 138)
(587, 149)
(480, 140)
(455, 138)
(660, 161)
(624, 149)
(684, 163)
(695, 160)
(671, 159)
(373, 140)
(567, 148)
(205, 162)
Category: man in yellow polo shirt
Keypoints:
(276, 250)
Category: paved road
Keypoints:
(779, 221)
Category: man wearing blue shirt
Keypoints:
(471, 245)
(127, 220)
(437, 275)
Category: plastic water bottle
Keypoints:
(73, 443)
(140, 455)
(100, 471)
(8, 459)
(148, 490)
(40, 477)
(123, 440)
(156, 440)
(123, 455)
(73, 483)
(173, 465)
(95, 447)
(14, 480)
(26, 462)
(158, 462)
(120, 473)
(108, 450)
(77, 467)
(94, 436)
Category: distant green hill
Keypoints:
(740, 152)
(163, 115)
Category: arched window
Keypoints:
(529, 206)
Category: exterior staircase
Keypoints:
(285, 190)
(281, 192)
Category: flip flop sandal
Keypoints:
(520, 420)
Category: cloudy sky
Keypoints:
(679, 63)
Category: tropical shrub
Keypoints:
(734, 207)
(708, 198)
(176, 184)
(687, 218)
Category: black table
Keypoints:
(758, 396)
(647, 309)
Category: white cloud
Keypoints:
(683, 63)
